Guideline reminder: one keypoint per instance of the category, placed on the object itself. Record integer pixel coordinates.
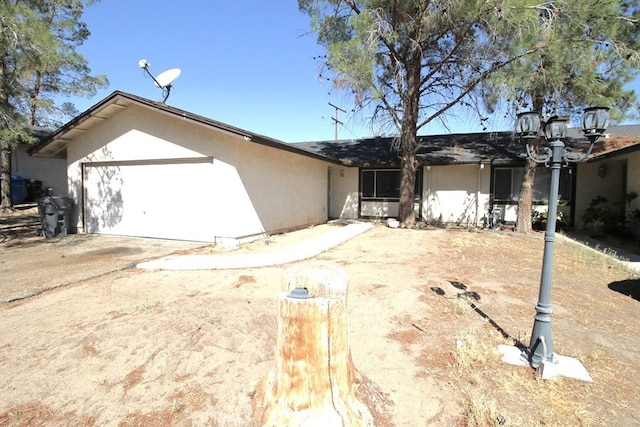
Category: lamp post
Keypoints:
(554, 155)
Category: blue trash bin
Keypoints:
(17, 192)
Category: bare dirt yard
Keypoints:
(87, 339)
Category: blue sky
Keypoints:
(247, 63)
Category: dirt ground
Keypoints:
(112, 345)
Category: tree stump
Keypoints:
(314, 382)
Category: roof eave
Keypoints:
(55, 145)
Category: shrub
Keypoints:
(539, 218)
(600, 217)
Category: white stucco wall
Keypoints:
(621, 176)
(287, 190)
(52, 172)
(343, 196)
(255, 189)
(384, 209)
(456, 194)
(379, 209)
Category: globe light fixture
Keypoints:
(528, 125)
(595, 121)
(556, 128)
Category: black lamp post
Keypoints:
(554, 155)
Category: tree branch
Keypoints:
(473, 84)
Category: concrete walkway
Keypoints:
(296, 252)
(314, 246)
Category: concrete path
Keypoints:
(295, 252)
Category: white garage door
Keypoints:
(167, 200)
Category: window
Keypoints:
(384, 184)
(507, 181)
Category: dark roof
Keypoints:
(40, 133)
(383, 152)
(449, 149)
(470, 148)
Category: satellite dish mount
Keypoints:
(164, 80)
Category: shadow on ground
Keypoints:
(471, 297)
(630, 288)
(20, 226)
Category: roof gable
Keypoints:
(55, 145)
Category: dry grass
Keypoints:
(457, 307)
(438, 303)
(472, 351)
(462, 239)
(497, 394)
(586, 255)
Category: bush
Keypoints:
(600, 217)
(539, 219)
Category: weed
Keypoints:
(148, 356)
(483, 411)
(102, 382)
(472, 351)
(176, 406)
(495, 394)
(145, 306)
(457, 307)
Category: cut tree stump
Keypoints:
(314, 382)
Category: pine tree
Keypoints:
(411, 63)
(38, 64)
(590, 53)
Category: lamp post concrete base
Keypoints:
(565, 366)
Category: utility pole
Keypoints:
(336, 122)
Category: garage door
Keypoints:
(164, 199)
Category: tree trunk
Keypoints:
(523, 223)
(314, 382)
(406, 213)
(408, 143)
(6, 203)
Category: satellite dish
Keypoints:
(164, 79)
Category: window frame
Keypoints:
(540, 193)
(386, 198)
